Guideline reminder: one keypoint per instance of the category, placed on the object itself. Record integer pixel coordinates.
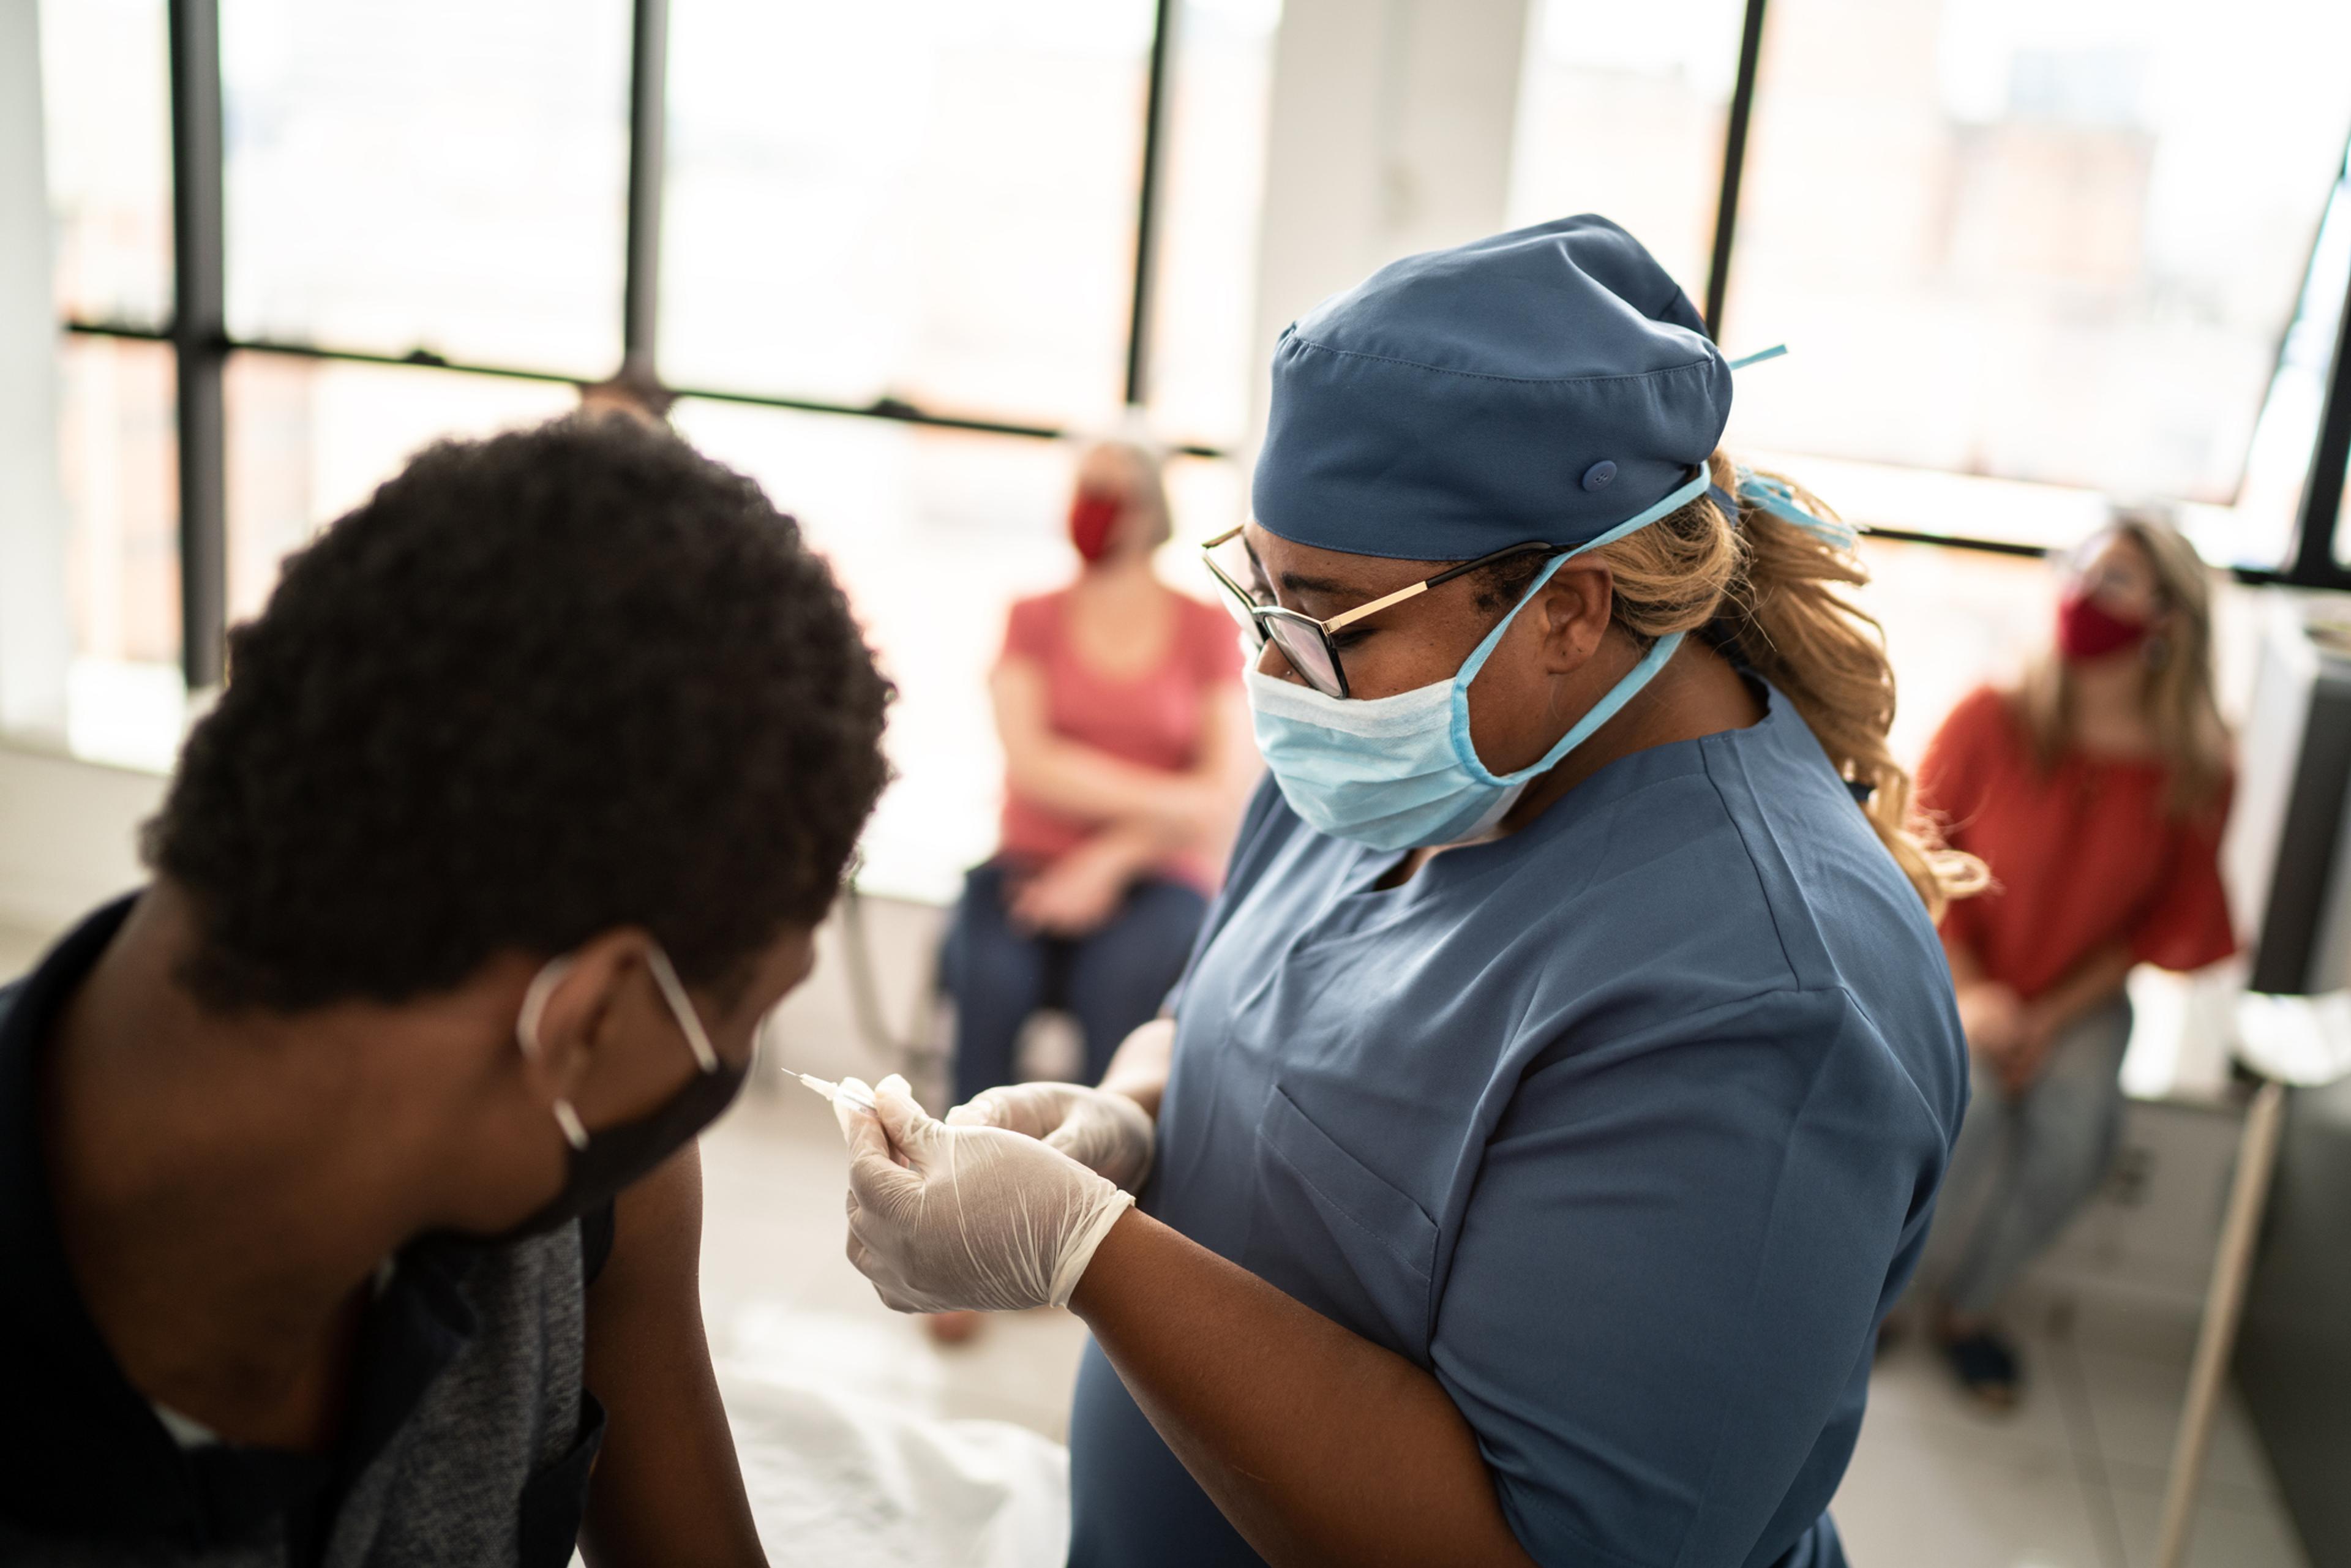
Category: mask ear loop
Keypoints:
(1465, 750)
(534, 1006)
(674, 992)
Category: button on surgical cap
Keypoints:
(1547, 385)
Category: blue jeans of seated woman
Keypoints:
(2023, 1167)
(1112, 980)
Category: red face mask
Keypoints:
(1091, 515)
(2088, 630)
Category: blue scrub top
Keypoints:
(1627, 1126)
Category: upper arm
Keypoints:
(1016, 687)
(1951, 776)
(667, 1489)
(1659, 1306)
(2188, 925)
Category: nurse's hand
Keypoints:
(1105, 1131)
(944, 1216)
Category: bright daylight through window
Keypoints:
(2095, 219)
(2091, 217)
(943, 220)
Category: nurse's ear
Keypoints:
(1573, 612)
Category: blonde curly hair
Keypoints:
(1774, 593)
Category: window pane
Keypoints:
(309, 440)
(2055, 241)
(429, 173)
(118, 463)
(1622, 113)
(915, 198)
(1205, 358)
(106, 107)
(2277, 468)
(118, 460)
(934, 533)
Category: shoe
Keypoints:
(1985, 1365)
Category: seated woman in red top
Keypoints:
(1127, 758)
(2095, 793)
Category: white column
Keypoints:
(35, 639)
(1390, 133)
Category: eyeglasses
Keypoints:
(1306, 642)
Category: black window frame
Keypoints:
(201, 345)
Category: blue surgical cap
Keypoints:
(1548, 383)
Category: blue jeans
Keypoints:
(1112, 980)
(2023, 1167)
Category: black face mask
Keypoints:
(616, 1156)
(604, 1163)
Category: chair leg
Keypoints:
(2256, 1160)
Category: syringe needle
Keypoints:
(831, 1090)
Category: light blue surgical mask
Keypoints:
(1401, 772)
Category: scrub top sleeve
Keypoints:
(1668, 1272)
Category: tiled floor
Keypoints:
(2073, 1478)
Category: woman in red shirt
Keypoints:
(2095, 793)
(1127, 758)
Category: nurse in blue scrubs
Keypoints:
(1557, 1096)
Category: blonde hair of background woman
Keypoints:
(1777, 589)
(2190, 737)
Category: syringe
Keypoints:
(846, 1093)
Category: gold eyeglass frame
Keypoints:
(1260, 614)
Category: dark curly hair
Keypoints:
(536, 687)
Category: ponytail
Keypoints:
(1768, 591)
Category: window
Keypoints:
(118, 453)
(1622, 112)
(908, 199)
(886, 245)
(118, 460)
(109, 146)
(1954, 620)
(2051, 241)
(932, 534)
(934, 207)
(310, 439)
(1205, 356)
(107, 150)
(428, 174)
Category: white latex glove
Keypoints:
(1107, 1133)
(943, 1218)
